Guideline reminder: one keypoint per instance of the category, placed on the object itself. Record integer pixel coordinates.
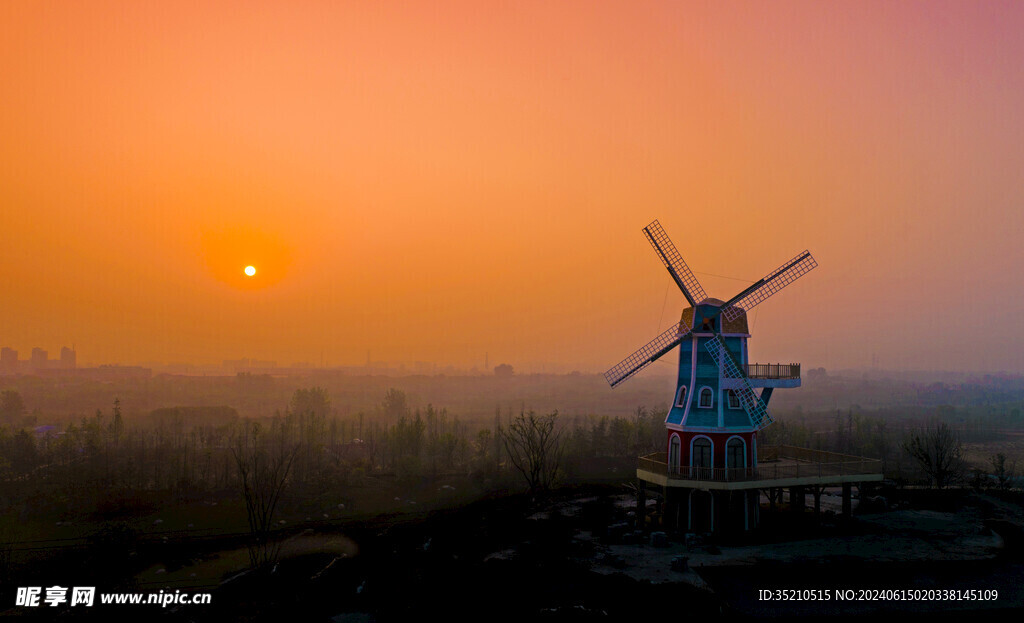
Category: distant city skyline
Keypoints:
(39, 358)
(663, 368)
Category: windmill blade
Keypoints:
(646, 355)
(750, 401)
(775, 281)
(670, 257)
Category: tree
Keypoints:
(116, 422)
(619, 435)
(395, 405)
(24, 456)
(639, 425)
(534, 445)
(12, 407)
(503, 370)
(599, 437)
(939, 452)
(1003, 473)
(482, 445)
(263, 465)
(406, 437)
(314, 400)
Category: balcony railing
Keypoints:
(772, 370)
(774, 463)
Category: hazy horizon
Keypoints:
(663, 368)
(436, 182)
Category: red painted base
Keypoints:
(719, 447)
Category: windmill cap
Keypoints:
(737, 325)
(712, 301)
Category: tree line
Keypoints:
(107, 461)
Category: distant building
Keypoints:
(68, 358)
(175, 368)
(39, 358)
(423, 367)
(237, 365)
(104, 373)
(115, 372)
(8, 359)
(245, 364)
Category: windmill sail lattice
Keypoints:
(749, 400)
(646, 355)
(775, 281)
(673, 261)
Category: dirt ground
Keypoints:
(957, 546)
(557, 559)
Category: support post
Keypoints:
(682, 510)
(641, 504)
(689, 511)
(796, 499)
(847, 500)
(669, 511)
(712, 511)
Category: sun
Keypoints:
(250, 270)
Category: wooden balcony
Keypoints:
(777, 466)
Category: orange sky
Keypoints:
(433, 181)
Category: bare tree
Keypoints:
(939, 452)
(395, 404)
(1004, 474)
(534, 446)
(263, 465)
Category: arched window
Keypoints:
(734, 400)
(734, 453)
(706, 398)
(673, 453)
(700, 456)
(681, 396)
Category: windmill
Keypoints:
(715, 405)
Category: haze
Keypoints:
(437, 181)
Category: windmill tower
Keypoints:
(716, 413)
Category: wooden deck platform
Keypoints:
(778, 466)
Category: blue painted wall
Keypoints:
(706, 376)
